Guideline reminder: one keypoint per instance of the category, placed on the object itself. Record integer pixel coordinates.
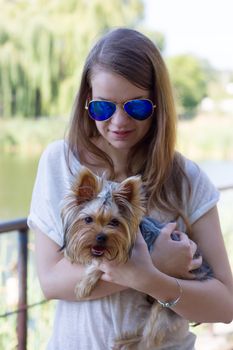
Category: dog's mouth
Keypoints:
(98, 250)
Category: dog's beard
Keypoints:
(82, 247)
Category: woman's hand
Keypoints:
(133, 273)
(175, 258)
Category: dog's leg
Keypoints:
(161, 324)
(155, 327)
(85, 286)
(152, 334)
(126, 341)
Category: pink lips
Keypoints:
(121, 134)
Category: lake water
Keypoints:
(17, 176)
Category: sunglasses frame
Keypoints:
(122, 106)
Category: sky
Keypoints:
(200, 27)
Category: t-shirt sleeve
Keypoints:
(204, 195)
(49, 189)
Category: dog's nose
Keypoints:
(101, 238)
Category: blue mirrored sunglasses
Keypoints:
(101, 110)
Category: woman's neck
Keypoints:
(119, 158)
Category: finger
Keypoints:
(169, 228)
(182, 236)
(190, 276)
(195, 263)
(105, 277)
(193, 247)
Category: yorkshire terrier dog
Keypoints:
(101, 220)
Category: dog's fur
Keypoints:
(101, 220)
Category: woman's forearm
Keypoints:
(200, 301)
(58, 277)
(60, 280)
(203, 301)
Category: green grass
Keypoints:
(206, 137)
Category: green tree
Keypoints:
(43, 45)
(189, 77)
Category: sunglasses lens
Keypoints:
(139, 109)
(101, 110)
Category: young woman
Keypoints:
(124, 123)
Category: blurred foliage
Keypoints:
(206, 137)
(34, 135)
(190, 77)
(43, 45)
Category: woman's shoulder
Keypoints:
(199, 193)
(190, 168)
(55, 149)
(57, 159)
(197, 178)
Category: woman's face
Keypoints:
(120, 131)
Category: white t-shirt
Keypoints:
(93, 325)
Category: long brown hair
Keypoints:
(136, 58)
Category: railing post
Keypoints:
(22, 285)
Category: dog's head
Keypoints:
(100, 218)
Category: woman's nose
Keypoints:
(120, 117)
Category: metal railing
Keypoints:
(225, 188)
(21, 227)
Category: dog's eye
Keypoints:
(114, 222)
(88, 219)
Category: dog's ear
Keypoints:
(129, 190)
(86, 186)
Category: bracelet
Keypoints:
(173, 302)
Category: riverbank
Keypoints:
(28, 137)
(205, 137)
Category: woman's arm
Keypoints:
(58, 276)
(205, 301)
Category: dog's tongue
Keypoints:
(97, 250)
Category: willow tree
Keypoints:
(43, 45)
